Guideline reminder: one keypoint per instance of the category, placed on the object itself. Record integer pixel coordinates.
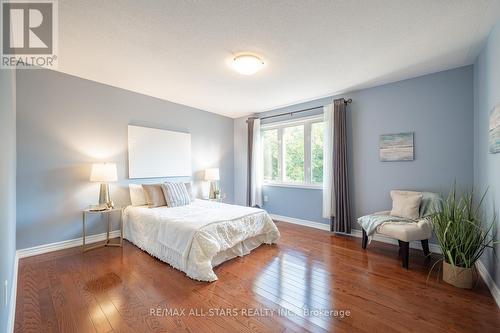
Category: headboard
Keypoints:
(157, 153)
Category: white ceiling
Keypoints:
(178, 50)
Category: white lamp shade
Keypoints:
(212, 174)
(103, 172)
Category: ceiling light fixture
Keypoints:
(247, 64)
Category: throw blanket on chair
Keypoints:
(370, 223)
(431, 203)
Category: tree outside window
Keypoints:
(293, 152)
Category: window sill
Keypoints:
(291, 185)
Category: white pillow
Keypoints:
(406, 204)
(137, 196)
(189, 188)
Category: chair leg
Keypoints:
(364, 240)
(425, 247)
(404, 248)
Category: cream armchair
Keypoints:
(405, 232)
(402, 229)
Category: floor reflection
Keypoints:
(297, 283)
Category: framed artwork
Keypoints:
(396, 147)
(157, 153)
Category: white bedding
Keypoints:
(197, 237)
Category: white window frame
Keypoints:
(307, 123)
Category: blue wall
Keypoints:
(299, 203)
(437, 107)
(65, 123)
(486, 165)
(8, 188)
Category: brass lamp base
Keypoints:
(214, 190)
(104, 198)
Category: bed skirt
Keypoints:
(210, 246)
(175, 260)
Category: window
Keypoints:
(293, 152)
(293, 145)
(317, 152)
(271, 154)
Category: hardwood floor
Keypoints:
(126, 290)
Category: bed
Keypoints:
(197, 237)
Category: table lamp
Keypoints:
(104, 173)
(212, 175)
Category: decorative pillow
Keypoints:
(406, 204)
(154, 195)
(137, 195)
(189, 188)
(176, 194)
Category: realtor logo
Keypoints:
(29, 34)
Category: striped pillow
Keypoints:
(175, 194)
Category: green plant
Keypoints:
(461, 230)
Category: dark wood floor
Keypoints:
(113, 289)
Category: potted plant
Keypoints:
(463, 235)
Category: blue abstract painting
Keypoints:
(396, 147)
(494, 130)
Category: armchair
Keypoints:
(404, 230)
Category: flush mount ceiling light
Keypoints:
(247, 64)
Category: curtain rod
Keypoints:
(347, 101)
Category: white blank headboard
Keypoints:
(155, 153)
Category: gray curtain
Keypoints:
(249, 160)
(342, 220)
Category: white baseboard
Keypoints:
(41, 249)
(306, 223)
(355, 232)
(495, 291)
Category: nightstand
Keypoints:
(107, 212)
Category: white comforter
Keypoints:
(196, 237)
